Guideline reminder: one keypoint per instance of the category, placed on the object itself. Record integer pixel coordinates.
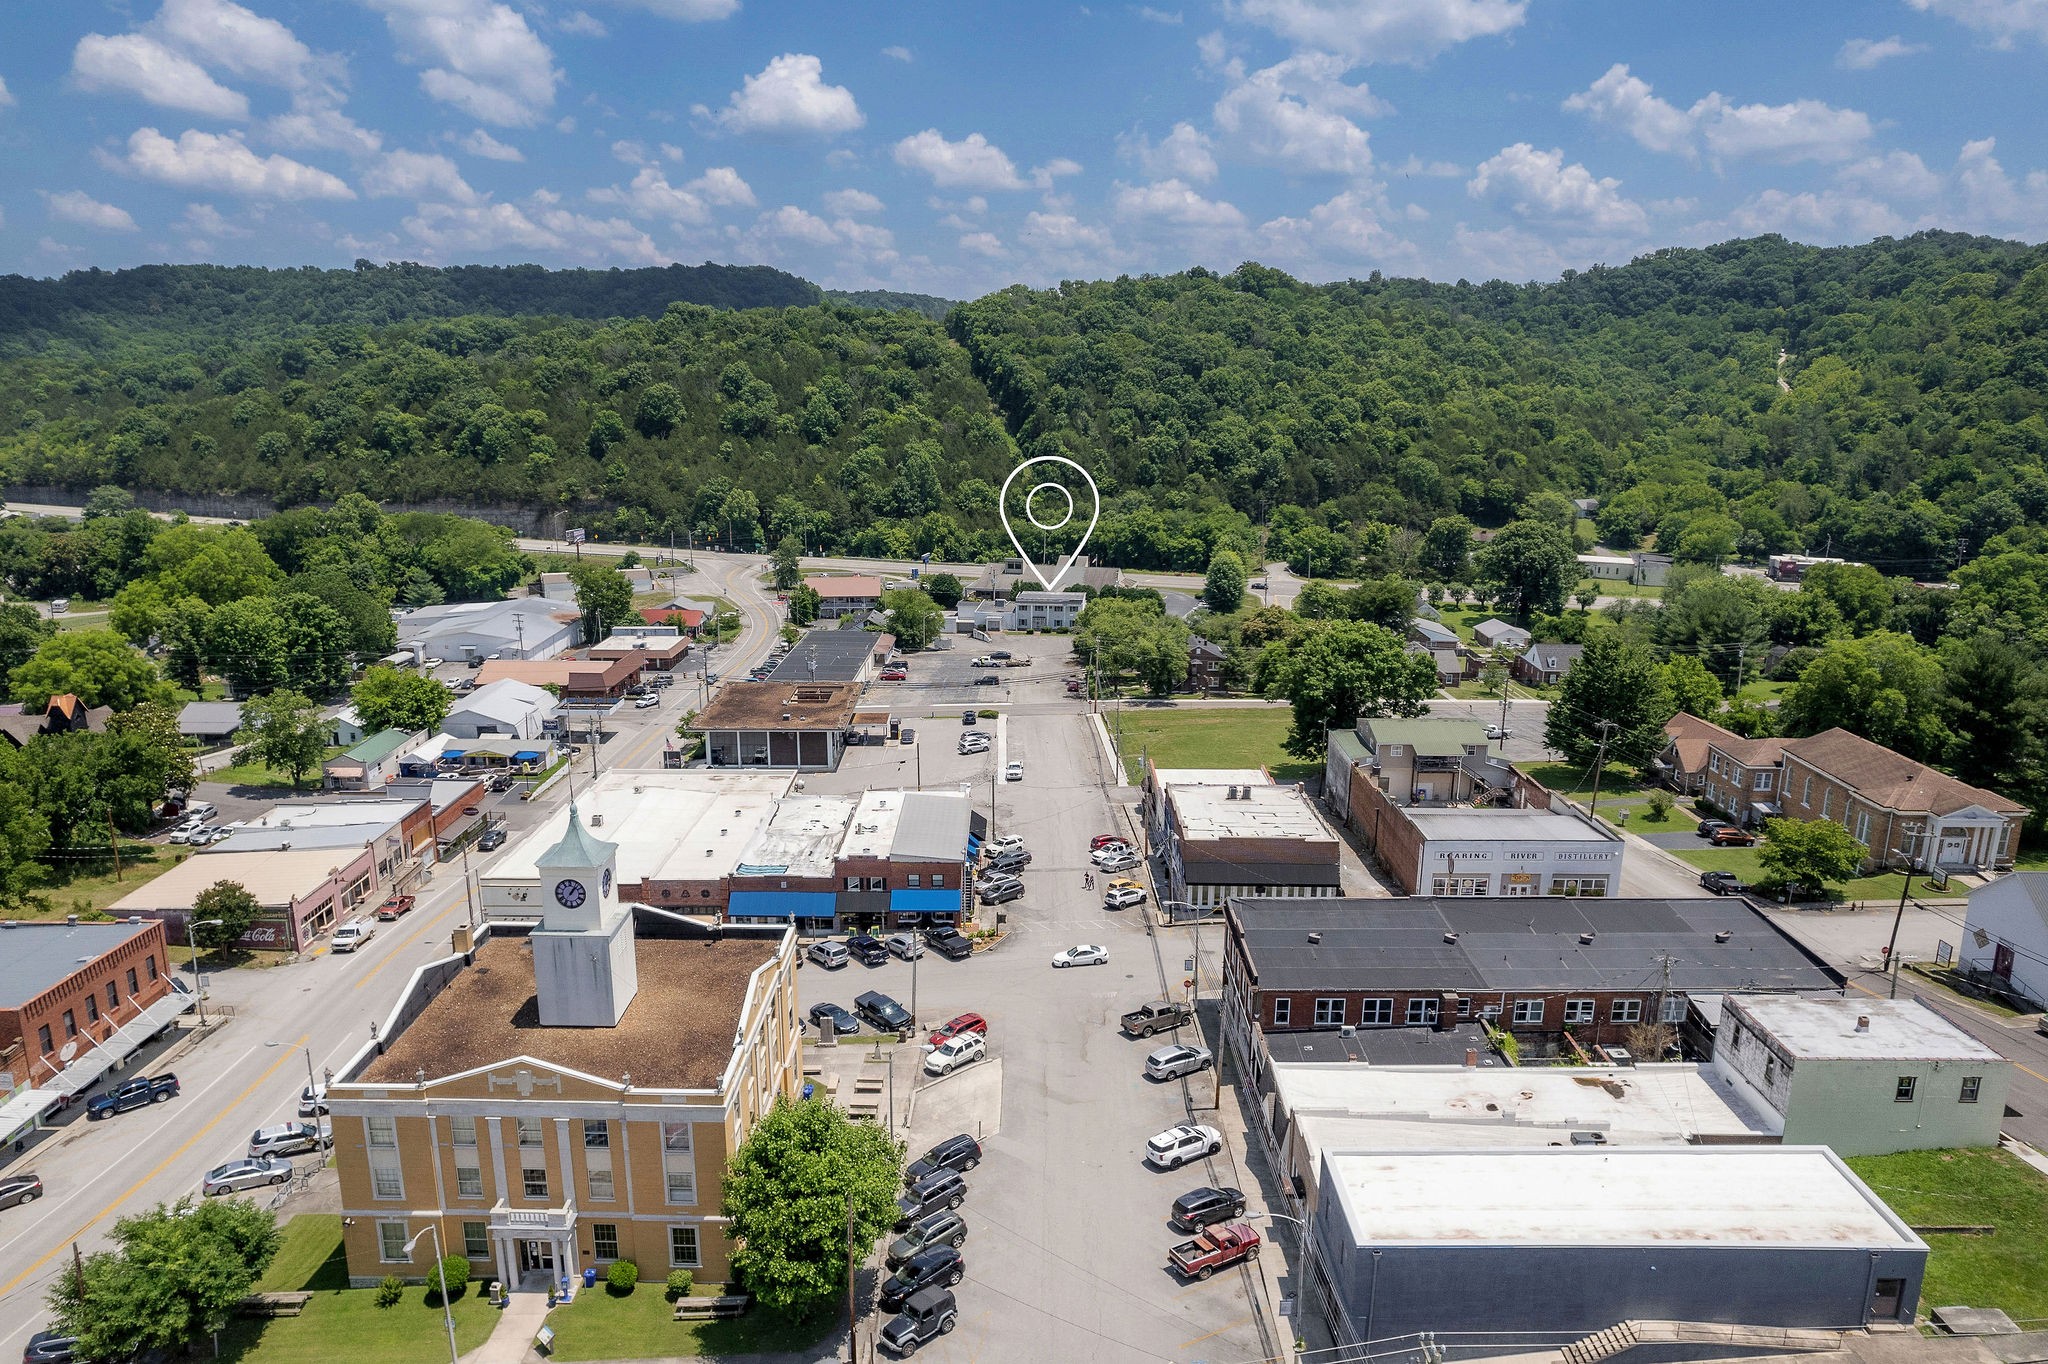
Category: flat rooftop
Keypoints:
(826, 655)
(800, 839)
(36, 955)
(1211, 776)
(676, 1034)
(1273, 812)
(843, 585)
(1594, 1195)
(275, 877)
(780, 705)
(1522, 826)
(1825, 1029)
(670, 826)
(1381, 1046)
(332, 814)
(873, 830)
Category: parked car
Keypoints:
(904, 946)
(395, 906)
(908, 735)
(136, 1093)
(1709, 827)
(895, 675)
(1721, 882)
(944, 1228)
(926, 1315)
(950, 943)
(313, 1101)
(971, 746)
(1086, 954)
(53, 1347)
(1007, 843)
(1014, 772)
(1123, 897)
(1176, 1146)
(15, 1190)
(882, 1011)
(990, 680)
(492, 840)
(958, 1153)
(828, 954)
(956, 1052)
(1497, 731)
(1733, 838)
(1120, 862)
(237, 1175)
(954, 1027)
(1104, 852)
(867, 949)
(1073, 686)
(940, 1265)
(647, 702)
(1104, 840)
(1215, 1248)
(1160, 1015)
(842, 1022)
(1198, 1208)
(353, 934)
(1013, 860)
(1170, 1063)
(968, 717)
(1001, 892)
(946, 1189)
(290, 1139)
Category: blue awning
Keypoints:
(782, 904)
(451, 754)
(527, 755)
(940, 901)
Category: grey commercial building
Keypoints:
(1528, 1247)
(830, 656)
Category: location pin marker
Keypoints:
(1031, 514)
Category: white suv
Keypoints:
(956, 1052)
(1176, 1146)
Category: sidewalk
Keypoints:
(511, 1340)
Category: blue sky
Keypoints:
(956, 147)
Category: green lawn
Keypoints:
(1748, 864)
(346, 1323)
(1577, 782)
(1208, 738)
(94, 886)
(262, 774)
(1639, 820)
(1611, 587)
(2008, 1269)
(642, 1325)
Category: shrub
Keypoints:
(1660, 805)
(390, 1291)
(455, 1272)
(621, 1277)
(680, 1282)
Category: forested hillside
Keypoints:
(1903, 426)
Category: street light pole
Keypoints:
(192, 954)
(447, 1312)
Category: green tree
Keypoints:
(1722, 620)
(1809, 855)
(1858, 592)
(249, 645)
(107, 500)
(787, 563)
(394, 698)
(172, 1280)
(804, 604)
(283, 730)
(97, 666)
(914, 618)
(1996, 709)
(1886, 687)
(803, 1174)
(1615, 680)
(1531, 565)
(1223, 592)
(1333, 672)
(229, 902)
(24, 835)
(660, 409)
(944, 588)
(1446, 549)
(153, 728)
(604, 595)
(22, 632)
(1693, 689)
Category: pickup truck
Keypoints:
(135, 1093)
(395, 906)
(1158, 1016)
(1216, 1248)
(1016, 663)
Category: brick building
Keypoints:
(76, 1000)
(1896, 807)
(1743, 777)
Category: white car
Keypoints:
(313, 1101)
(1014, 772)
(350, 936)
(955, 1052)
(1121, 862)
(245, 1174)
(433, 663)
(1123, 897)
(645, 702)
(1169, 1063)
(1087, 954)
(972, 746)
(1007, 843)
(290, 1139)
(1499, 732)
(1109, 852)
(907, 946)
(1176, 1146)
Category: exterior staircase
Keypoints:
(1624, 1336)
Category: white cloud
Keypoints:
(479, 55)
(1435, 170)
(1346, 228)
(1862, 54)
(973, 162)
(481, 143)
(1829, 214)
(1410, 31)
(1171, 18)
(76, 206)
(417, 175)
(209, 161)
(984, 244)
(722, 185)
(898, 53)
(689, 11)
(1174, 201)
(632, 153)
(142, 66)
(1992, 198)
(583, 24)
(1898, 174)
(869, 241)
(1536, 184)
(450, 230)
(2003, 20)
(650, 195)
(1506, 253)
(1062, 234)
(790, 96)
(320, 127)
(207, 220)
(1294, 114)
(1803, 130)
(1186, 153)
(226, 35)
(671, 152)
(792, 224)
(844, 202)
(6, 99)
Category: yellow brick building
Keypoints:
(568, 1098)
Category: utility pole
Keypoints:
(852, 1308)
(78, 1271)
(1741, 658)
(1503, 719)
(1891, 951)
(1606, 727)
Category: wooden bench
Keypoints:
(273, 1304)
(710, 1309)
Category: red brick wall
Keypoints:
(19, 1026)
(1602, 1031)
(1386, 830)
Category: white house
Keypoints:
(522, 627)
(1044, 610)
(2005, 933)
(1642, 568)
(516, 709)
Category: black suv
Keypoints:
(943, 1190)
(950, 943)
(929, 1312)
(867, 949)
(882, 1011)
(1001, 892)
(1721, 882)
(954, 1153)
(1198, 1208)
(940, 1265)
(944, 1227)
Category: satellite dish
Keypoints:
(67, 1051)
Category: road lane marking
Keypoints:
(161, 1166)
(1186, 1344)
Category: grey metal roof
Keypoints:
(579, 847)
(1526, 944)
(37, 956)
(271, 840)
(1433, 630)
(1205, 873)
(932, 828)
(839, 655)
(1380, 1046)
(210, 717)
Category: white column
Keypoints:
(501, 1243)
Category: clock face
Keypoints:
(570, 893)
(604, 885)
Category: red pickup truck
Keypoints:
(395, 906)
(1216, 1248)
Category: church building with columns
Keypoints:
(566, 1097)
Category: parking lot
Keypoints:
(1067, 1240)
(946, 676)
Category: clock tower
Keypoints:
(583, 965)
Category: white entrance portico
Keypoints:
(528, 1242)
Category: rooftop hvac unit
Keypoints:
(1347, 1030)
(1724, 935)
(1315, 938)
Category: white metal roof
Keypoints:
(1520, 825)
(1825, 1028)
(668, 826)
(1206, 812)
